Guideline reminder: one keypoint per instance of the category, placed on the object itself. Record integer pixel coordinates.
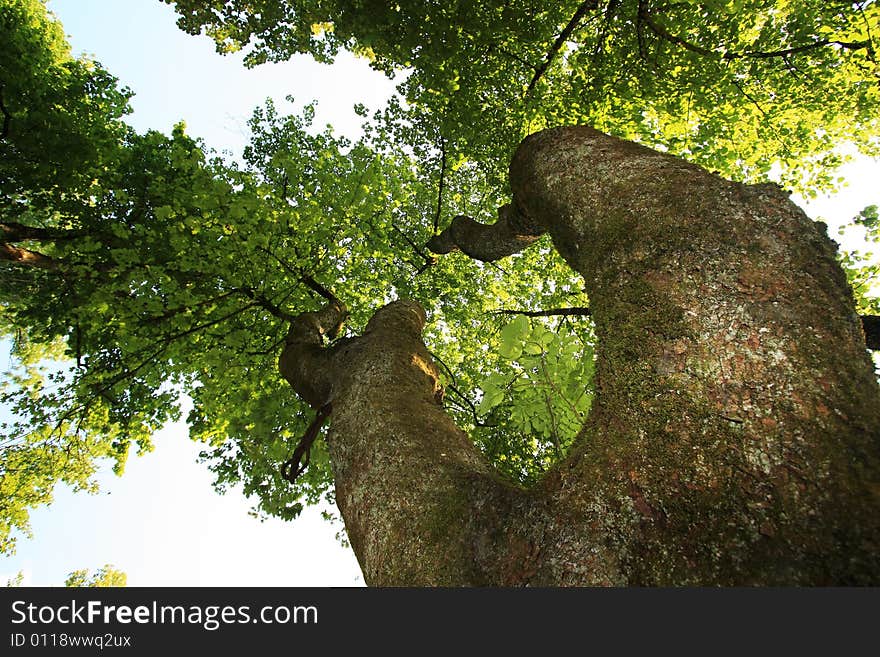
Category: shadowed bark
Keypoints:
(735, 434)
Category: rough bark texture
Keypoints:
(735, 436)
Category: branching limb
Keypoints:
(512, 233)
(453, 388)
(264, 303)
(309, 281)
(304, 361)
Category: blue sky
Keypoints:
(162, 522)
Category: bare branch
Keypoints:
(306, 279)
(452, 387)
(429, 259)
(261, 300)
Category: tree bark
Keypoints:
(735, 434)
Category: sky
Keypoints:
(162, 523)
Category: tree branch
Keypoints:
(510, 234)
(308, 280)
(304, 361)
(15, 232)
(297, 464)
(429, 260)
(581, 11)
(847, 45)
(580, 311)
(662, 32)
(452, 387)
(26, 257)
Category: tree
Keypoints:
(687, 398)
(105, 577)
(108, 576)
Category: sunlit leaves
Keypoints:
(541, 392)
(742, 87)
(107, 576)
(863, 267)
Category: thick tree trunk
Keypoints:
(735, 435)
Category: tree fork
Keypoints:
(734, 435)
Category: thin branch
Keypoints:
(558, 392)
(429, 260)
(305, 278)
(581, 11)
(315, 286)
(662, 32)
(297, 464)
(603, 35)
(168, 314)
(451, 386)
(261, 300)
(580, 311)
(440, 186)
(271, 350)
(15, 232)
(847, 45)
(513, 56)
(749, 97)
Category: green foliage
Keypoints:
(736, 85)
(16, 581)
(175, 272)
(863, 267)
(541, 396)
(108, 576)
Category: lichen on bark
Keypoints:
(735, 434)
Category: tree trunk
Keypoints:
(735, 434)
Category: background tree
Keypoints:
(171, 271)
(108, 576)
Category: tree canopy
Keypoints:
(141, 268)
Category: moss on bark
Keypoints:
(735, 436)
